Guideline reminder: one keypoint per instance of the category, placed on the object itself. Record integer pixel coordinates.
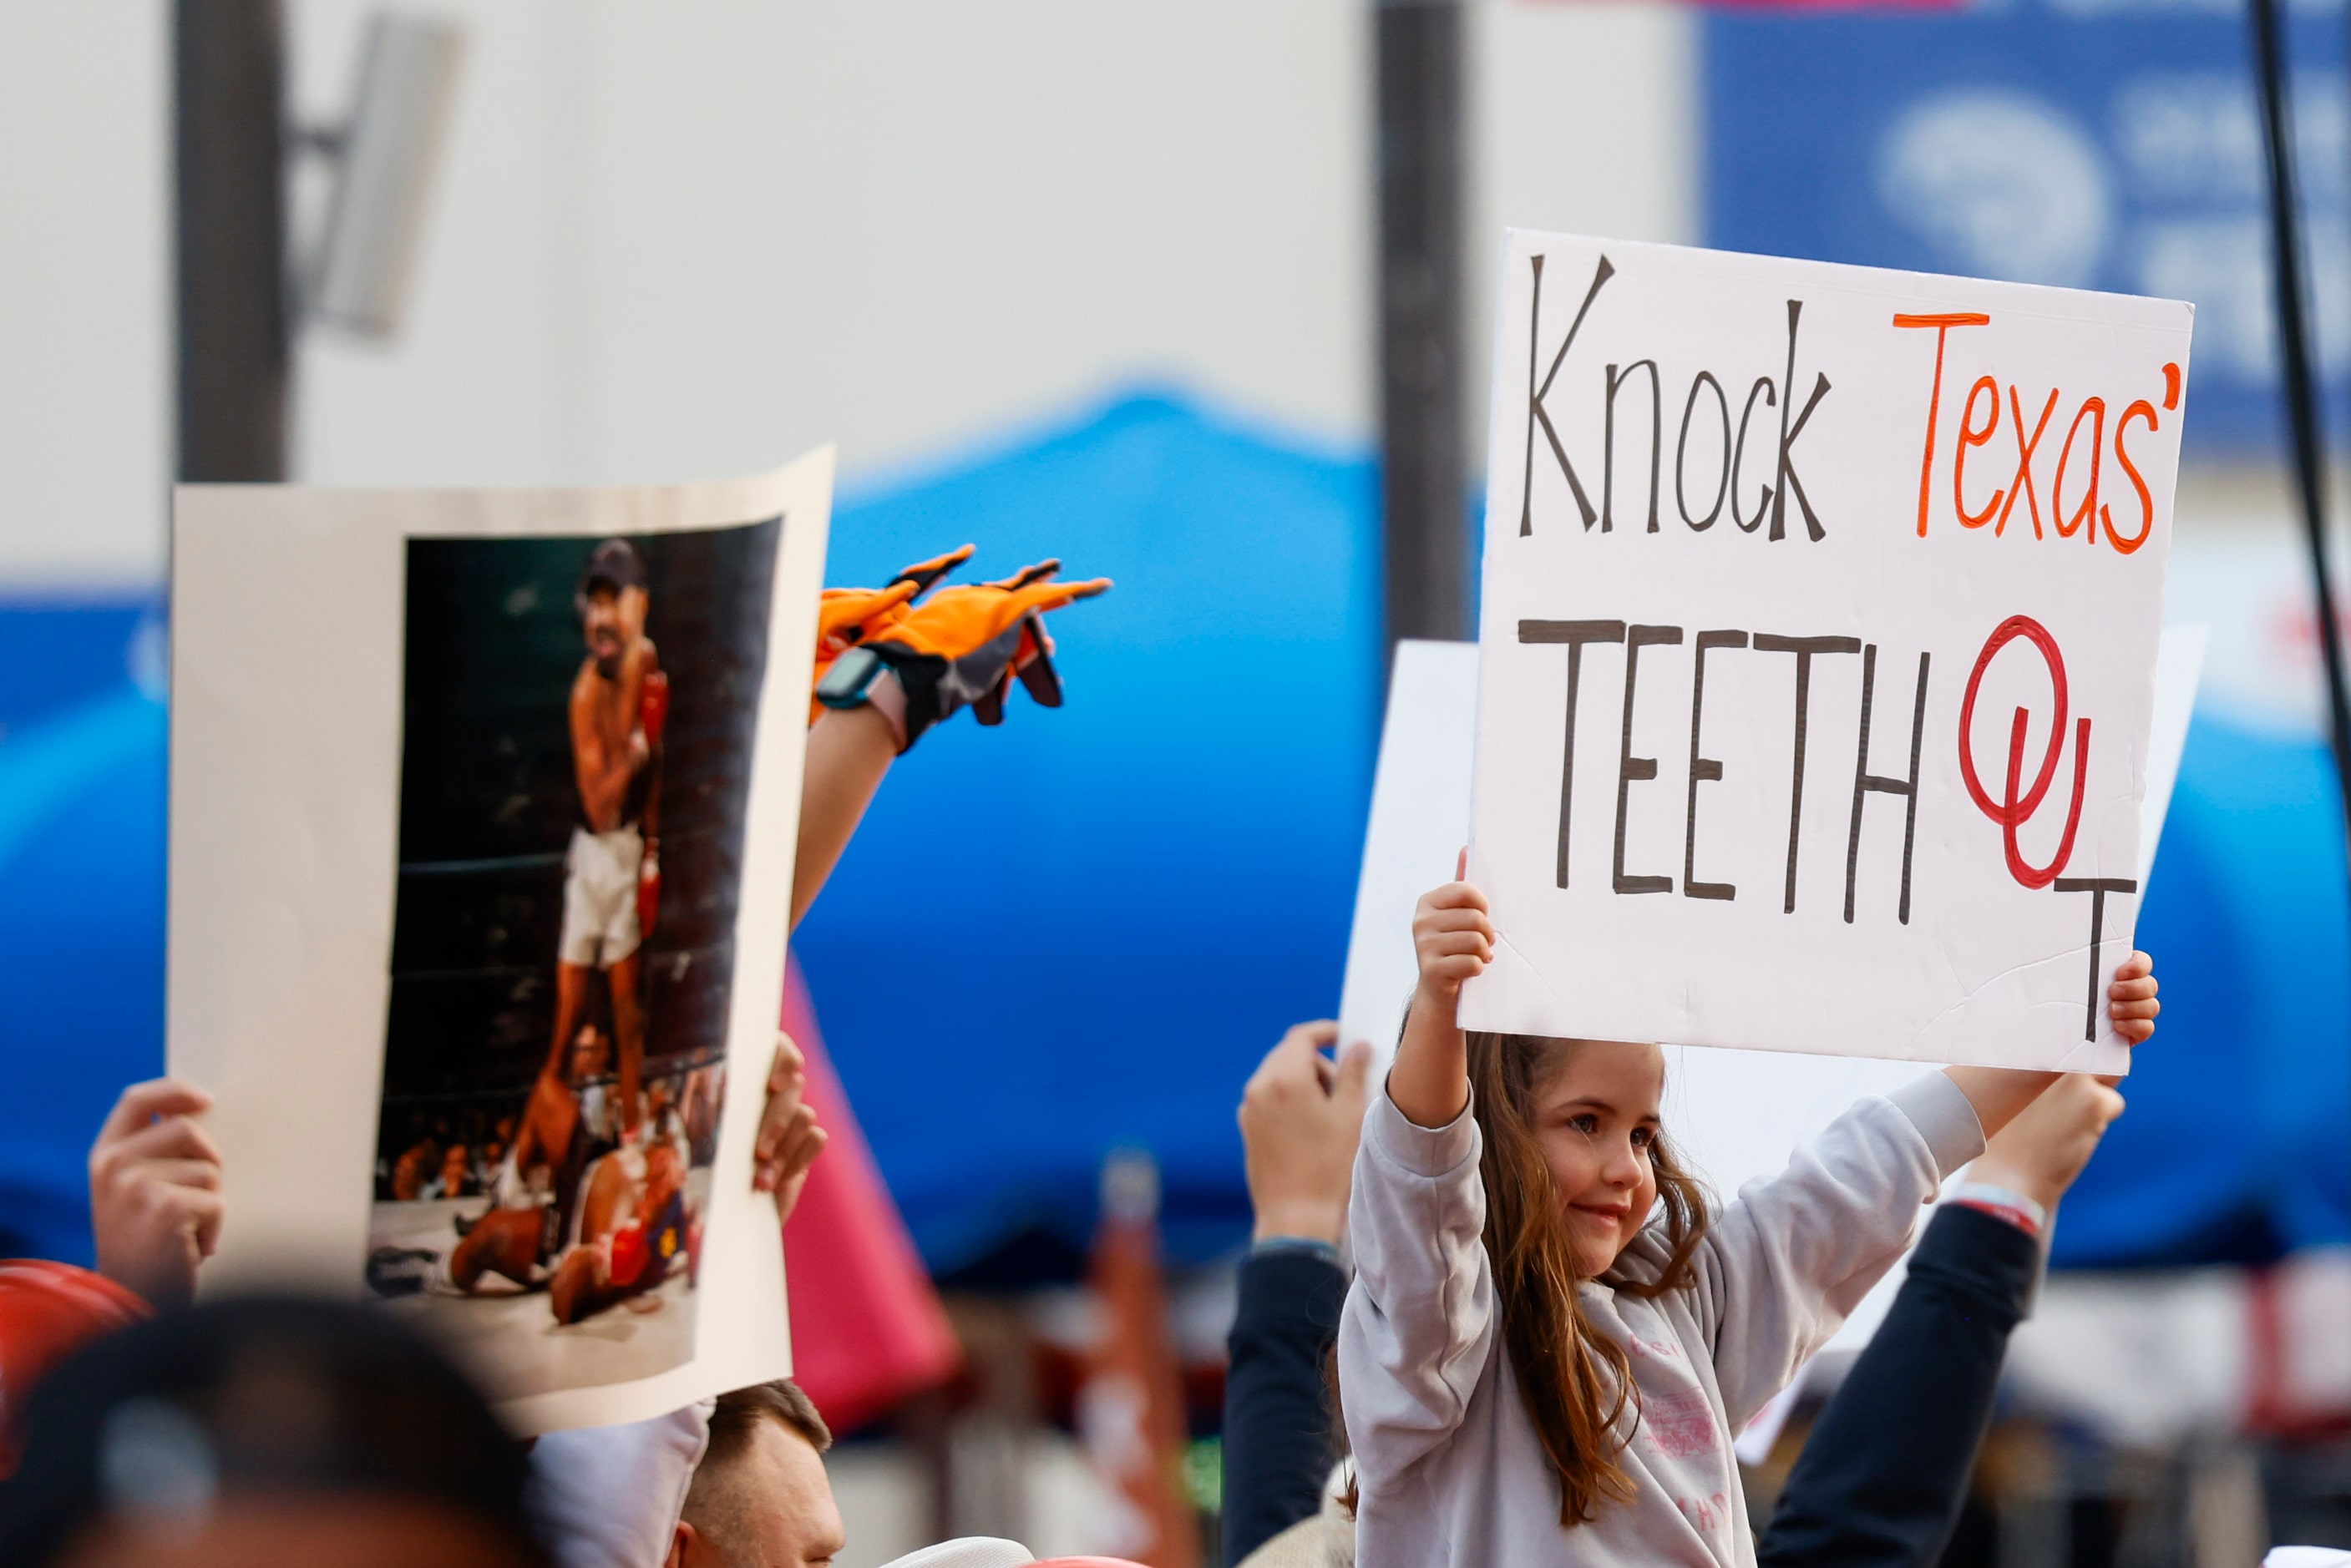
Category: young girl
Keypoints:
(1550, 1341)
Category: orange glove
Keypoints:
(847, 617)
(963, 647)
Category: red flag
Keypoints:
(867, 1328)
(1131, 1407)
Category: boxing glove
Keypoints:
(652, 706)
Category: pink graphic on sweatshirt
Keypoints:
(1706, 1515)
(1680, 1425)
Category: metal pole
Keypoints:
(1424, 472)
(230, 232)
(2301, 387)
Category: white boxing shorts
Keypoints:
(600, 896)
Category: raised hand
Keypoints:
(2131, 1000)
(1301, 1117)
(1453, 937)
(2040, 1152)
(789, 1140)
(155, 1191)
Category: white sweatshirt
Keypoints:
(609, 1497)
(1450, 1468)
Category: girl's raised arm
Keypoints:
(1453, 941)
(1418, 1327)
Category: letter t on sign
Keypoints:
(1574, 634)
(2097, 888)
(1803, 648)
(1942, 324)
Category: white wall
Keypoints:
(1585, 119)
(85, 410)
(691, 238)
(694, 239)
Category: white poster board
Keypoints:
(1419, 824)
(1760, 535)
(393, 858)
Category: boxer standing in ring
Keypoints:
(618, 703)
(620, 700)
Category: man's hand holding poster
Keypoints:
(1818, 643)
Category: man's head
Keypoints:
(589, 1053)
(265, 1430)
(759, 1498)
(612, 603)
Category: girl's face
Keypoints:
(1596, 1116)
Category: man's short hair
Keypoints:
(717, 1504)
(740, 1412)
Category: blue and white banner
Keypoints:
(2109, 144)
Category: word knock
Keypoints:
(1771, 500)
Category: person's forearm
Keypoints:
(1280, 1435)
(1315, 1219)
(1430, 1080)
(849, 751)
(1998, 1093)
(1884, 1471)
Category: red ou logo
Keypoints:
(2011, 811)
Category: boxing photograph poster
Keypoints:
(578, 716)
(1817, 653)
(496, 800)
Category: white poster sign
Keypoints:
(1818, 653)
(483, 813)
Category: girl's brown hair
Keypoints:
(1577, 1382)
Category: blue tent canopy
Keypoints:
(2237, 1142)
(1080, 931)
(82, 947)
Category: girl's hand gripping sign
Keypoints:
(1818, 652)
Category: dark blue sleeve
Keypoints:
(1884, 1472)
(1281, 1434)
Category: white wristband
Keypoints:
(2005, 1202)
(887, 698)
